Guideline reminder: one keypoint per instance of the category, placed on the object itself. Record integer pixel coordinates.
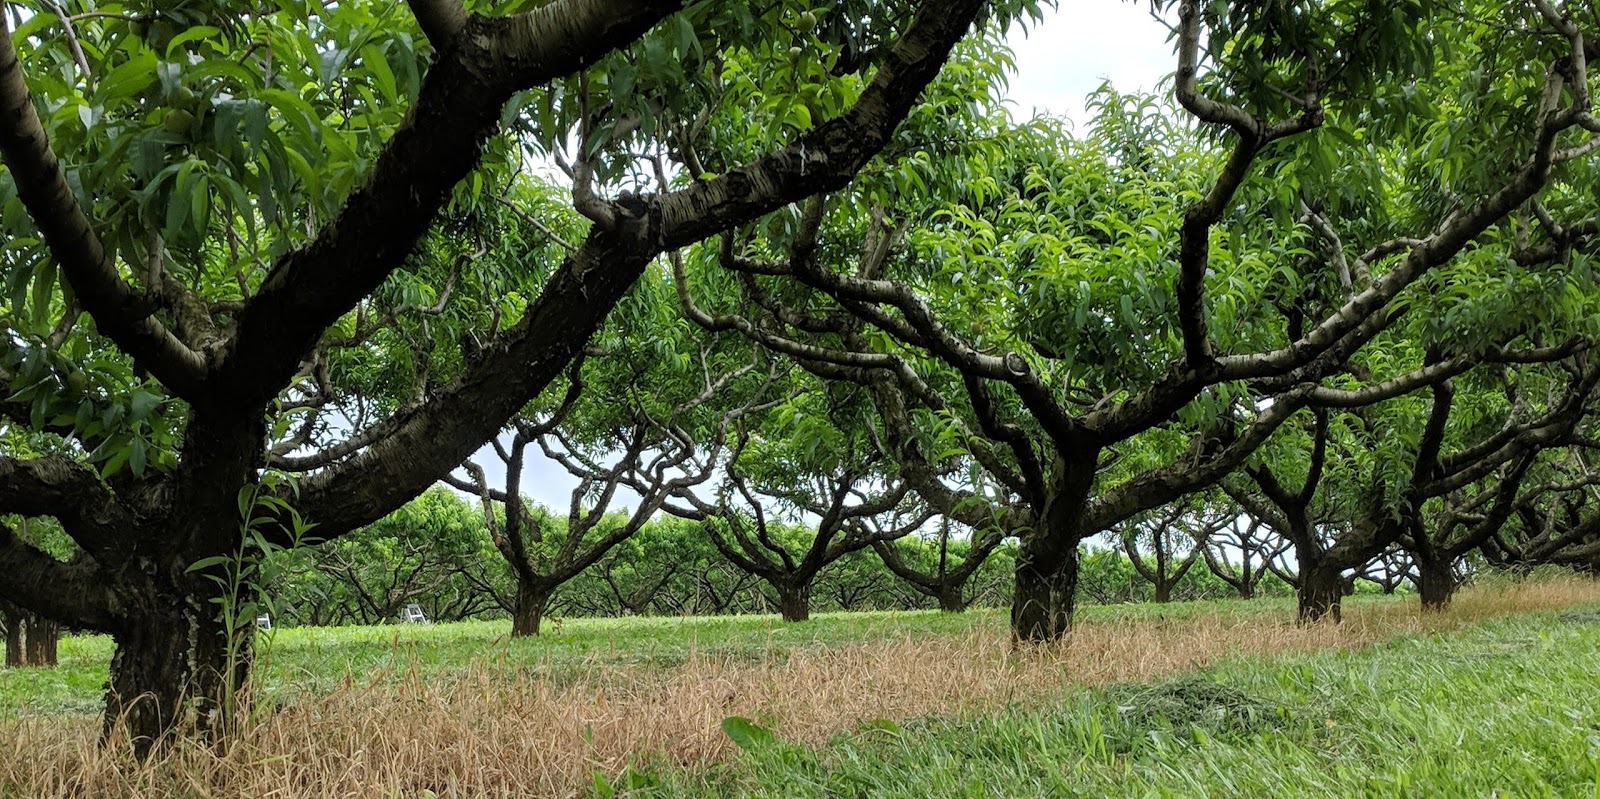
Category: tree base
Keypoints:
(1321, 592)
(795, 604)
(176, 672)
(1042, 606)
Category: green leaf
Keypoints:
(746, 734)
(194, 34)
(142, 403)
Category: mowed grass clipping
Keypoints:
(917, 705)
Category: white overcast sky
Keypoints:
(1059, 62)
(1082, 45)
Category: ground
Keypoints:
(1497, 697)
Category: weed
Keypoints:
(1190, 702)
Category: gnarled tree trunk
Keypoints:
(532, 599)
(794, 601)
(178, 668)
(1321, 589)
(952, 598)
(1047, 584)
(1436, 580)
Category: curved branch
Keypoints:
(119, 312)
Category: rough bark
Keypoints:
(177, 669)
(1047, 583)
(1436, 581)
(951, 598)
(532, 599)
(1321, 591)
(794, 601)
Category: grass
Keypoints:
(320, 659)
(1507, 707)
(1216, 699)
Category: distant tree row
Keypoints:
(437, 553)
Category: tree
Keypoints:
(1167, 534)
(786, 557)
(1106, 306)
(1549, 524)
(936, 576)
(642, 570)
(641, 412)
(1389, 475)
(238, 258)
(1390, 570)
(1257, 550)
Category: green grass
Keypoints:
(1504, 708)
(316, 658)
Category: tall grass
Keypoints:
(499, 730)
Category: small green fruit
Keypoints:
(77, 382)
(183, 97)
(795, 52)
(177, 121)
(808, 19)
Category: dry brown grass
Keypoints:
(491, 734)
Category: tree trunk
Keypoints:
(1321, 589)
(30, 638)
(1163, 591)
(40, 649)
(1047, 582)
(794, 602)
(952, 598)
(176, 669)
(1436, 580)
(531, 602)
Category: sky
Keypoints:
(1082, 45)
(1059, 62)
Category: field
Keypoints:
(1496, 697)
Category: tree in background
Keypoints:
(645, 413)
(1242, 553)
(431, 552)
(788, 557)
(1175, 537)
(943, 567)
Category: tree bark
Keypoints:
(1246, 586)
(951, 598)
(1436, 580)
(531, 603)
(1320, 591)
(1163, 591)
(176, 669)
(794, 602)
(30, 639)
(1047, 583)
